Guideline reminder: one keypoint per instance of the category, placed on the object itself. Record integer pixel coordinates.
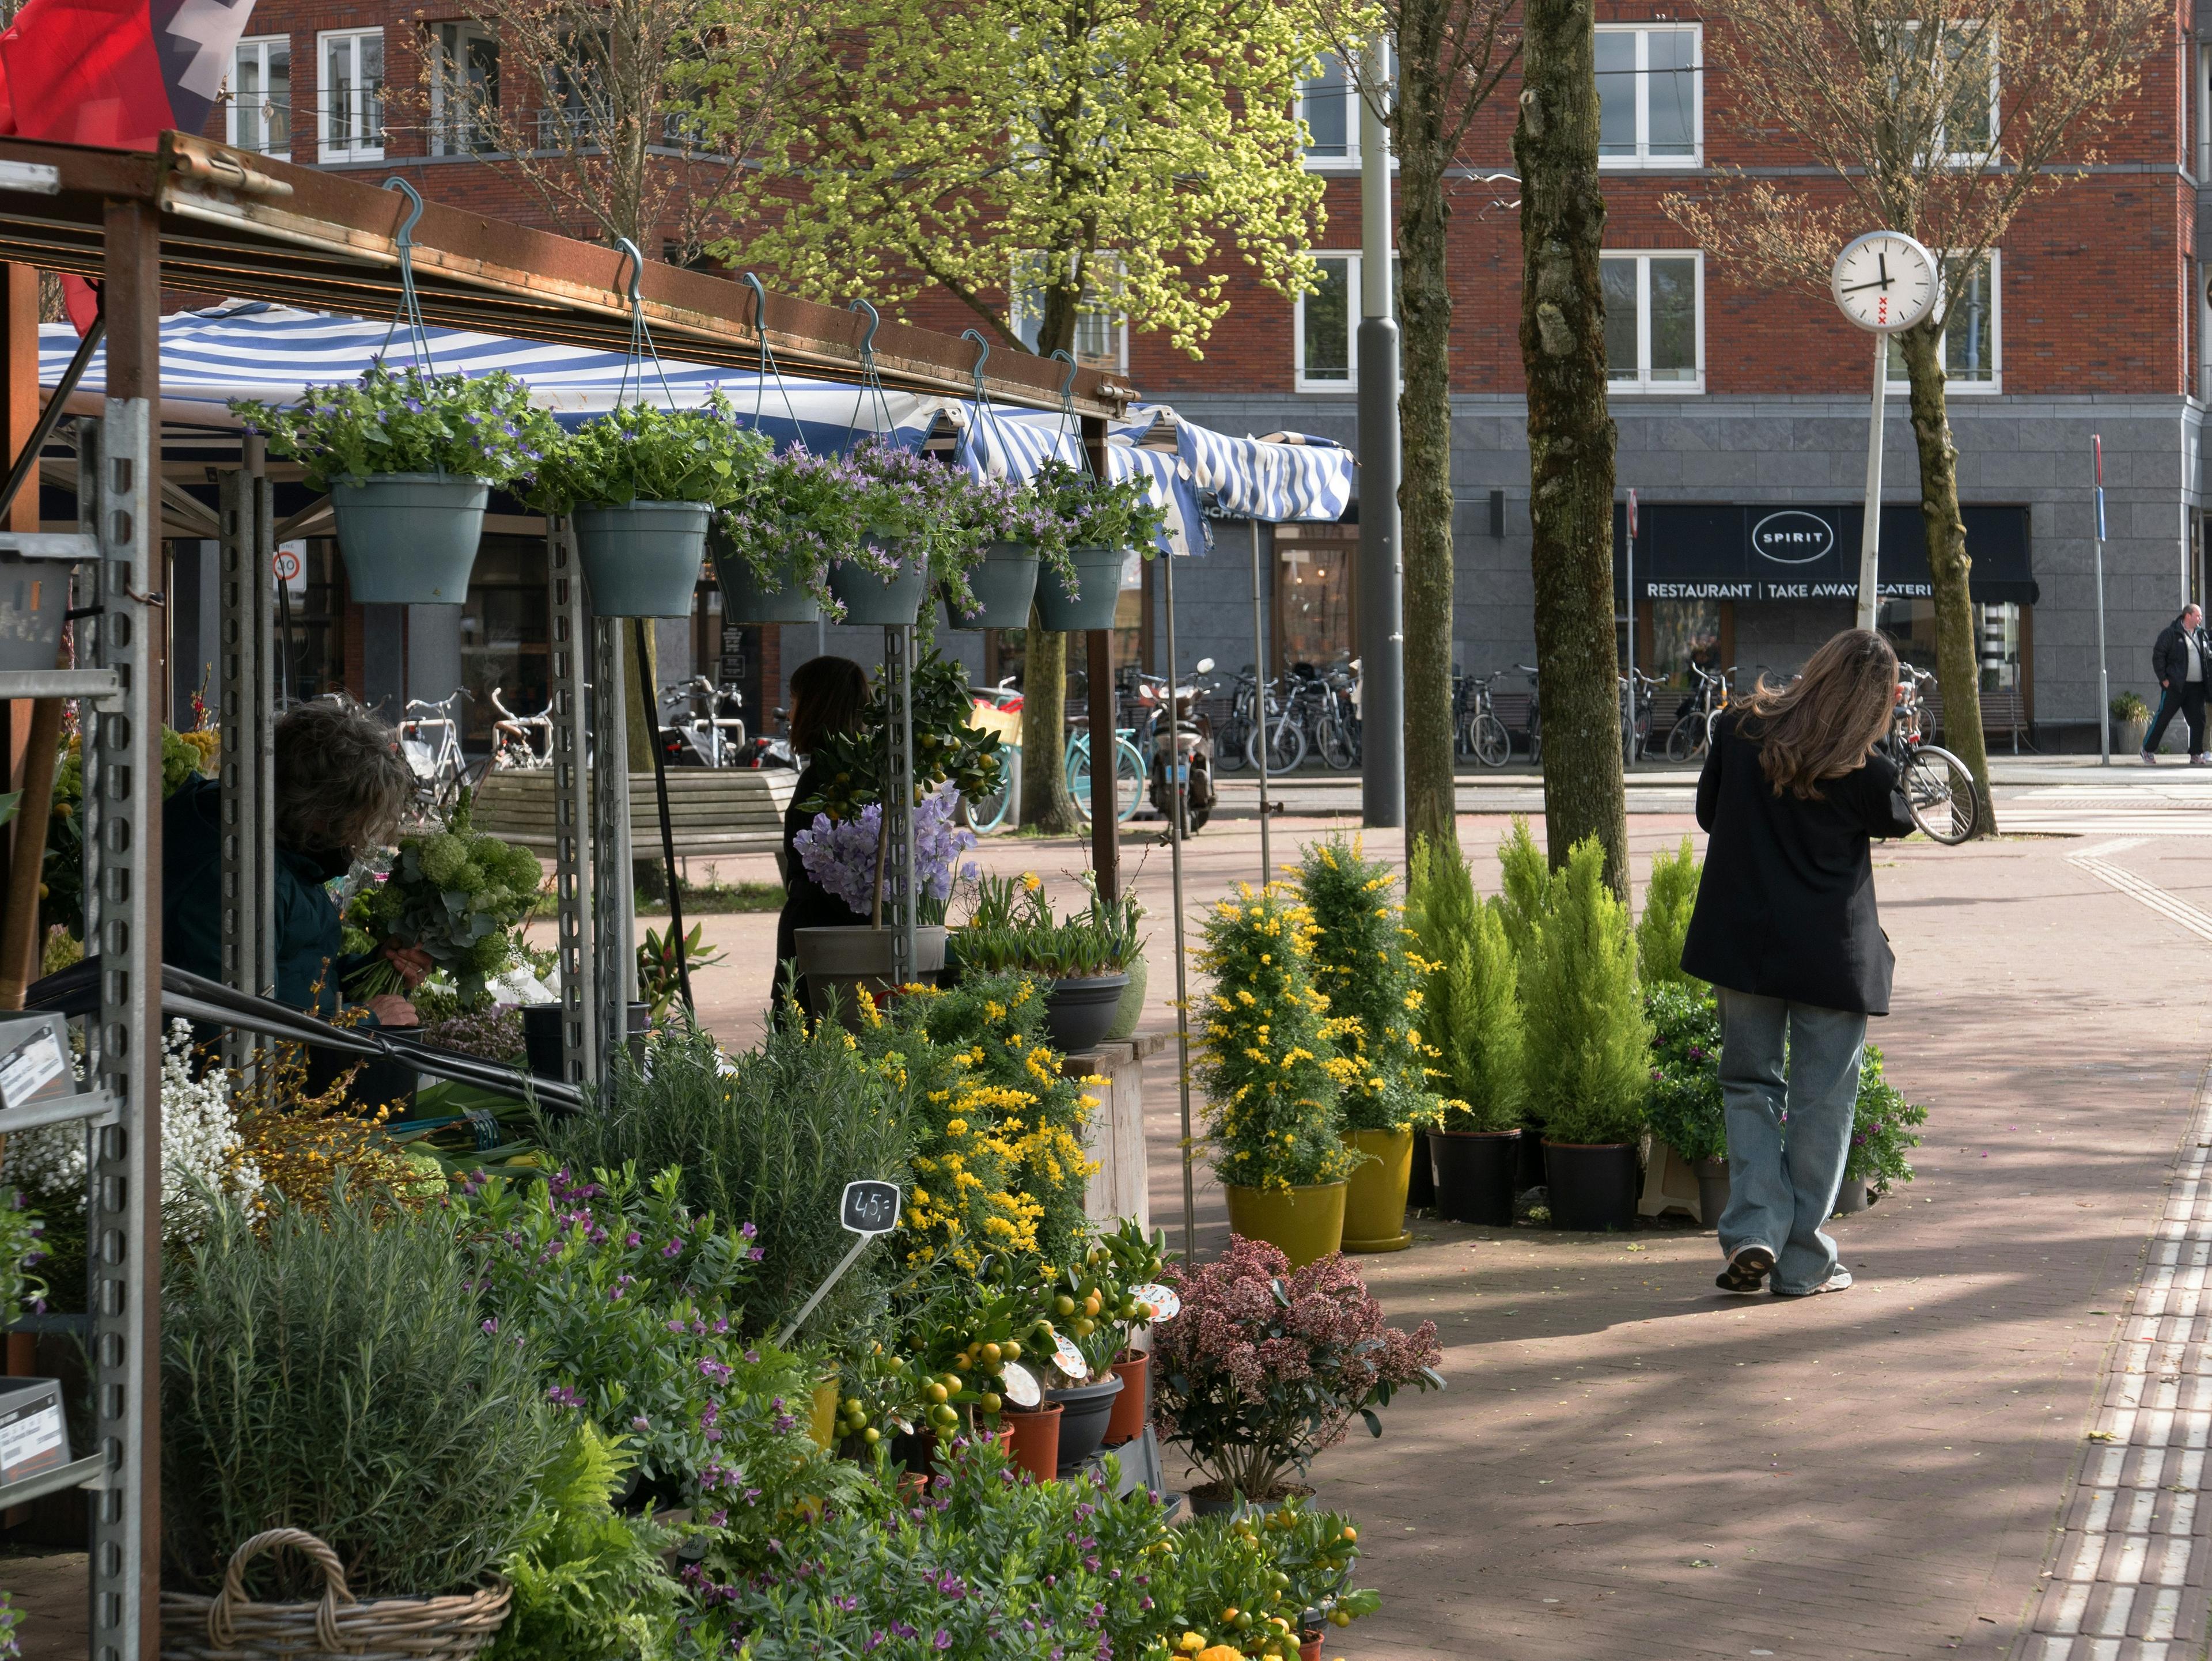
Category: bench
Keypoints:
(2004, 713)
(712, 810)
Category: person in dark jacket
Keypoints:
(341, 786)
(2181, 657)
(828, 695)
(1785, 930)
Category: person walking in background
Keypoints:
(1785, 930)
(2178, 657)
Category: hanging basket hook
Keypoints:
(1067, 381)
(405, 234)
(767, 365)
(410, 307)
(870, 381)
(636, 264)
(875, 322)
(982, 356)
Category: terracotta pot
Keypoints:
(1133, 1407)
(1475, 1175)
(1374, 1194)
(1309, 1648)
(1304, 1224)
(1036, 1439)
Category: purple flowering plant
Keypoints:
(841, 855)
(408, 420)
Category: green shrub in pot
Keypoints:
(1098, 523)
(1683, 1107)
(1589, 1045)
(334, 1373)
(1668, 900)
(1471, 999)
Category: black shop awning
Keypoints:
(1696, 551)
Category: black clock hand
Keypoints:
(1883, 260)
(1856, 286)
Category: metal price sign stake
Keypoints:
(868, 1209)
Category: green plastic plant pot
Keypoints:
(1090, 603)
(1004, 581)
(1080, 1011)
(34, 602)
(870, 599)
(1374, 1194)
(409, 538)
(746, 598)
(1132, 1009)
(643, 559)
(1304, 1224)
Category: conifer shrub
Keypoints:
(1526, 893)
(1588, 1043)
(1668, 900)
(1471, 996)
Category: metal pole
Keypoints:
(1105, 745)
(1260, 697)
(568, 661)
(1628, 725)
(1870, 533)
(1183, 990)
(900, 896)
(1381, 630)
(667, 831)
(613, 965)
(2104, 684)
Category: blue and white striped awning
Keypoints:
(1004, 444)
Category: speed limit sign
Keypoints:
(288, 566)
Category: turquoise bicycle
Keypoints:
(984, 815)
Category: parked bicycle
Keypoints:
(1279, 727)
(1692, 731)
(520, 743)
(1232, 741)
(1128, 771)
(997, 708)
(708, 729)
(1332, 715)
(1635, 693)
(1481, 735)
(431, 743)
(1938, 788)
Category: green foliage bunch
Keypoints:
(409, 420)
(1526, 893)
(2130, 707)
(771, 1136)
(1011, 926)
(1668, 900)
(334, 1373)
(1472, 996)
(22, 1245)
(947, 747)
(1092, 514)
(642, 453)
(1885, 1128)
(457, 892)
(1588, 1047)
(1284, 1568)
(1375, 986)
(659, 977)
(589, 1579)
(1274, 1081)
(1684, 1108)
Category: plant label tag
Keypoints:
(870, 1207)
(34, 1437)
(1020, 1384)
(1165, 1305)
(30, 1067)
(1067, 1358)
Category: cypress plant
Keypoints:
(1526, 893)
(1668, 900)
(1471, 996)
(1590, 1044)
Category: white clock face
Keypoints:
(1886, 282)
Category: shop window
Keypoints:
(1654, 331)
(1650, 105)
(1676, 634)
(1973, 339)
(352, 93)
(311, 622)
(260, 112)
(2000, 630)
(1313, 620)
(504, 634)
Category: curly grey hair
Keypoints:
(341, 781)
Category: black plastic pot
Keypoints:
(1079, 1014)
(1712, 1192)
(1593, 1185)
(1531, 1173)
(1085, 1409)
(1421, 1179)
(541, 1036)
(1851, 1197)
(1476, 1170)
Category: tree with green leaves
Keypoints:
(1041, 162)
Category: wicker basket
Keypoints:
(230, 1627)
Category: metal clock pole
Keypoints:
(2103, 685)
(1870, 532)
(1885, 282)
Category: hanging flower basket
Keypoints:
(409, 538)
(1089, 602)
(643, 559)
(1004, 581)
(889, 599)
(784, 596)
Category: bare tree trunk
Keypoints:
(1045, 805)
(1425, 491)
(1958, 670)
(1571, 434)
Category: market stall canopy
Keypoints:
(1782, 551)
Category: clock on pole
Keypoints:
(1885, 282)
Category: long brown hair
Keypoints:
(828, 695)
(1827, 723)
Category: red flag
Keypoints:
(114, 72)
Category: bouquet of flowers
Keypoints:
(841, 854)
(456, 892)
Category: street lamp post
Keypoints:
(1382, 628)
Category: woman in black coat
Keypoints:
(1786, 931)
(828, 695)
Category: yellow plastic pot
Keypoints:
(1375, 1198)
(1303, 1224)
(823, 1424)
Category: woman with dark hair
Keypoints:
(828, 695)
(1786, 931)
(340, 787)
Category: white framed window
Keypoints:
(260, 114)
(1328, 103)
(1973, 330)
(1650, 89)
(2200, 110)
(1961, 90)
(349, 83)
(1325, 324)
(1102, 333)
(464, 91)
(1655, 320)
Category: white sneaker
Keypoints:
(2149, 759)
(1839, 1280)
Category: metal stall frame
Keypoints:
(197, 217)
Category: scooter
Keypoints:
(1183, 752)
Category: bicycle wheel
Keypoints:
(1333, 740)
(1229, 753)
(1940, 791)
(1078, 774)
(1493, 745)
(985, 814)
(1128, 779)
(1286, 746)
(1686, 738)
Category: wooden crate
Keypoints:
(713, 811)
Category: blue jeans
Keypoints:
(1783, 1179)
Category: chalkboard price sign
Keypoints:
(871, 1207)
